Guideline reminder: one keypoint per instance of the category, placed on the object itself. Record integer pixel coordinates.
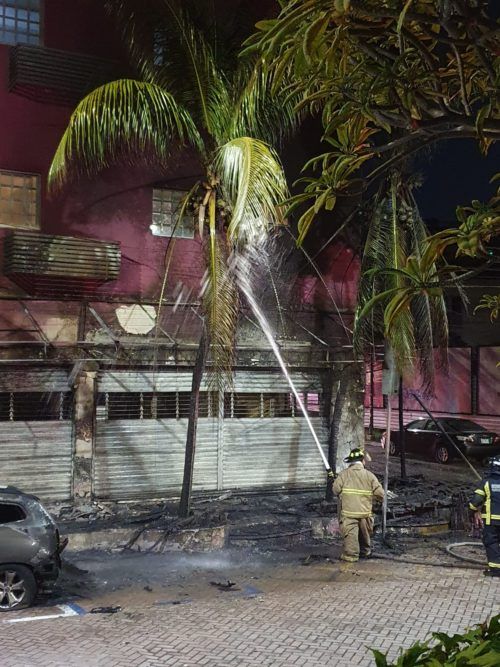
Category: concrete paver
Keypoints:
(325, 614)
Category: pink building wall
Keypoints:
(116, 205)
(453, 386)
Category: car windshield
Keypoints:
(461, 425)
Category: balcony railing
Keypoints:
(42, 264)
(56, 77)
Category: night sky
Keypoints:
(455, 173)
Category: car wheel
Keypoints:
(17, 587)
(442, 453)
(393, 449)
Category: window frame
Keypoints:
(17, 506)
(41, 22)
(46, 406)
(157, 230)
(38, 185)
(416, 428)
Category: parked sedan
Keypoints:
(30, 548)
(423, 437)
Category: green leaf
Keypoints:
(304, 223)
(380, 658)
(314, 34)
(266, 24)
(402, 16)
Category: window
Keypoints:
(166, 207)
(36, 406)
(20, 22)
(10, 513)
(462, 425)
(19, 200)
(417, 425)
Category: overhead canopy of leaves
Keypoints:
(404, 73)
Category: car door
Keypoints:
(415, 435)
(15, 543)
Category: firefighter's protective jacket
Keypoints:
(487, 499)
(357, 487)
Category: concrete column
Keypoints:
(85, 398)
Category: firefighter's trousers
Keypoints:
(356, 534)
(491, 541)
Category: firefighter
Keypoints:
(356, 488)
(486, 505)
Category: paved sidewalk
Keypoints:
(282, 616)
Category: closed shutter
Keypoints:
(36, 455)
(268, 451)
(262, 453)
(144, 458)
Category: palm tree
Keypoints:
(400, 293)
(190, 91)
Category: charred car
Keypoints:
(424, 438)
(30, 548)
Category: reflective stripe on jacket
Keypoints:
(487, 499)
(357, 487)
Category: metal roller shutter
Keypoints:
(271, 452)
(144, 458)
(137, 458)
(36, 456)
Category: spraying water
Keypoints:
(242, 266)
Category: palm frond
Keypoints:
(186, 61)
(125, 119)
(253, 182)
(400, 286)
(137, 29)
(262, 107)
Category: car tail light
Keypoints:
(496, 439)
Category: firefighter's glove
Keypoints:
(331, 476)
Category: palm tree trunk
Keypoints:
(187, 480)
(346, 426)
(333, 435)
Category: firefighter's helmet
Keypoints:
(355, 455)
(495, 464)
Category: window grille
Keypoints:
(175, 405)
(19, 196)
(269, 405)
(166, 208)
(20, 22)
(151, 405)
(36, 406)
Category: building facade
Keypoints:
(95, 372)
